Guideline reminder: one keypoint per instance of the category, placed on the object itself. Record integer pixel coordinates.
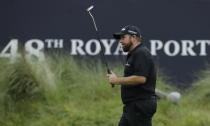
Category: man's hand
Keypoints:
(112, 78)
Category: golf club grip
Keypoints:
(109, 72)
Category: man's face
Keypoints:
(126, 42)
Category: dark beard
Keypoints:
(126, 48)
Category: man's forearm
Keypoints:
(131, 80)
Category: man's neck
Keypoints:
(134, 46)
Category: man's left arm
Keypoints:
(141, 71)
(131, 80)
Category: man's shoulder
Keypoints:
(142, 50)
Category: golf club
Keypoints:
(97, 35)
(173, 97)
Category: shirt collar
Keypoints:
(138, 46)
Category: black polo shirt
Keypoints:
(139, 62)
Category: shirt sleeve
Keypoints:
(141, 64)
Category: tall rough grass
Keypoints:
(61, 91)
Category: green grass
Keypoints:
(61, 91)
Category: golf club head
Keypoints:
(90, 8)
(174, 97)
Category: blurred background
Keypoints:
(65, 89)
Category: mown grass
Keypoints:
(61, 91)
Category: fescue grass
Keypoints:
(61, 91)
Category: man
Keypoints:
(138, 83)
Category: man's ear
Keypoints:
(134, 37)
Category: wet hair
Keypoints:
(138, 39)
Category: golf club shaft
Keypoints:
(103, 56)
(102, 49)
(161, 94)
